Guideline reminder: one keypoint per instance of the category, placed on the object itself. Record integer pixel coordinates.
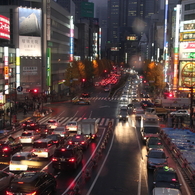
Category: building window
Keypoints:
(189, 17)
(190, 6)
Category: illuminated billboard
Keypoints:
(30, 46)
(186, 50)
(187, 36)
(187, 73)
(132, 38)
(187, 26)
(87, 10)
(29, 22)
(4, 28)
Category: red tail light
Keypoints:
(5, 149)
(33, 150)
(173, 180)
(23, 124)
(32, 137)
(70, 142)
(21, 182)
(82, 142)
(32, 193)
(55, 142)
(9, 193)
(32, 125)
(46, 150)
(19, 137)
(46, 130)
(54, 159)
(63, 149)
(56, 124)
(71, 160)
(159, 143)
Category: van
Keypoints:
(165, 191)
(149, 119)
(44, 148)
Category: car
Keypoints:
(80, 140)
(44, 148)
(106, 89)
(22, 161)
(5, 180)
(71, 126)
(166, 177)
(44, 130)
(145, 104)
(97, 84)
(56, 139)
(124, 98)
(156, 158)
(179, 113)
(139, 112)
(28, 137)
(82, 101)
(123, 114)
(164, 191)
(67, 157)
(33, 183)
(62, 131)
(154, 143)
(85, 95)
(8, 148)
(53, 123)
(31, 125)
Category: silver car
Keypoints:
(156, 158)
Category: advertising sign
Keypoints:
(30, 46)
(132, 38)
(187, 73)
(186, 26)
(4, 28)
(187, 50)
(29, 22)
(87, 10)
(187, 36)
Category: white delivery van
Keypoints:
(88, 127)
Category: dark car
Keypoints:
(146, 104)
(66, 157)
(39, 183)
(8, 148)
(80, 140)
(56, 138)
(85, 95)
(31, 125)
(44, 130)
(154, 143)
(166, 177)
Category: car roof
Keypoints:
(43, 140)
(156, 150)
(22, 153)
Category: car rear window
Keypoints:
(167, 177)
(59, 129)
(40, 145)
(26, 134)
(77, 138)
(155, 142)
(18, 158)
(151, 130)
(52, 121)
(156, 154)
(22, 187)
(65, 154)
(72, 124)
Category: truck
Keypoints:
(172, 102)
(88, 127)
(159, 111)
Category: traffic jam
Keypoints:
(26, 155)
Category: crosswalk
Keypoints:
(112, 98)
(102, 122)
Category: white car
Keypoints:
(53, 123)
(28, 137)
(180, 113)
(62, 131)
(44, 148)
(71, 126)
(22, 161)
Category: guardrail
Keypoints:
(87, 172)
(184, 165)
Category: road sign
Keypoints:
(19, 88)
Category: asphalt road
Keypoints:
(120, 167)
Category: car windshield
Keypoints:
(156, 154)
(26, 134)
(65, 153)
(151, 130)
(166, 177)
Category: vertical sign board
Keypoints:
(48, 66)
(4, 28)
(48, 20)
